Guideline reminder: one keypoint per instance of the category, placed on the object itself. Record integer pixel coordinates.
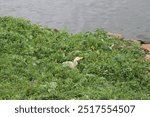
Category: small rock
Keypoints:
(147, 57)
(146, 47)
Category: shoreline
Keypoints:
(144, 44)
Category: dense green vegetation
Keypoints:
(31, 59)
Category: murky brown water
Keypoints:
(129, 17)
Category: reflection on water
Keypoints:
(129, 17)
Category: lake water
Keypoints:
(128, 17)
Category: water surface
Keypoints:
(129, 17)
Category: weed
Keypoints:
(31, 58)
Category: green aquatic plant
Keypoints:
(31, 58)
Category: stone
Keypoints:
(146, 47)
(147, 57)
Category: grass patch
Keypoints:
(31, 59)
